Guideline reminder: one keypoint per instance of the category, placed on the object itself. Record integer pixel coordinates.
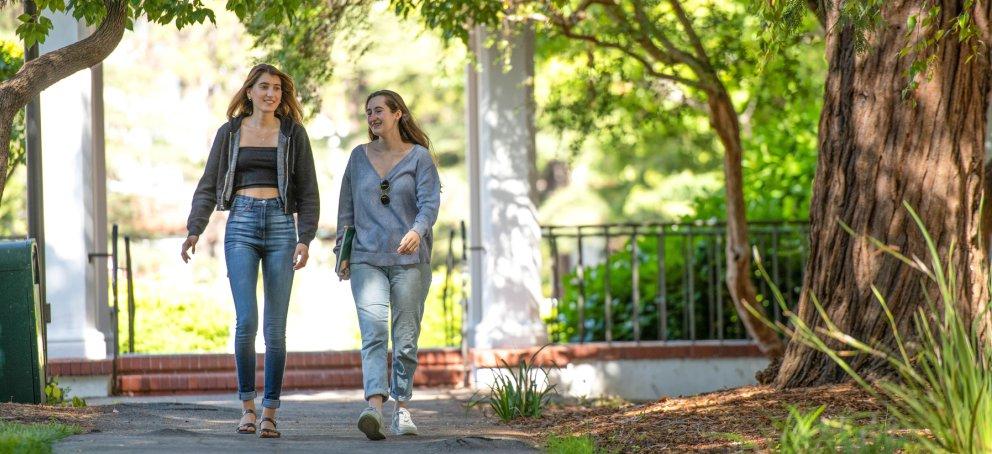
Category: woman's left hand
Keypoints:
(300, 256)
(409, 243)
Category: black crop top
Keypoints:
(256, 168)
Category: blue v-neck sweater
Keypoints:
(414, 198)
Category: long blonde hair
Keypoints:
(288, 105)
(409, 130)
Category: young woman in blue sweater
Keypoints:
(390, 194)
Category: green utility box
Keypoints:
(22, 355)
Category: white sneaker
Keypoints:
(403, 423)
(370, 423)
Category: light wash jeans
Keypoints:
(259, 231)
(381, 291)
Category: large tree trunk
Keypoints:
(724, 120)
(876, 151)
(40, 73)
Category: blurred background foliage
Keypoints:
(613, 144)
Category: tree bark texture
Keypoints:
(724, 120)
(877, 149)
(40, 73)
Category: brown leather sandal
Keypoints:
(268, 433)
(248, 427)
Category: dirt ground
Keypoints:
(84, 417)
(735, 420)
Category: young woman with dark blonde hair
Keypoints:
(390, 194)
(261, 169)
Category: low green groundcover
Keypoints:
(32, 438)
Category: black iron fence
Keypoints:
(659, 281)
(455, 282)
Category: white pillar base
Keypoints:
(90, 344)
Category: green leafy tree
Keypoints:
(784, 99)
(661, 41)
(316, 19)
(644, 136)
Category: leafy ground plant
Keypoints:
(55, 394)
(32, 438)
(942, 386)
(805, 432)
(520, 392)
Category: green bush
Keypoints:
(433, 326)
(13, 221)
(175, 322)
(706, 296)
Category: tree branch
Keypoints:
(6, 124)
(643, 37)
(568, 32)
(566, 26)
(579, 12)
(690, 31)
(702, 70)
(40, 73)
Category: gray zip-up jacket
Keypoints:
(295, 172)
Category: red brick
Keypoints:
(129, 382)
(155, 383)
(212, 383)
(56, 369)
(309, 360)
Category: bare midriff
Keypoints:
(259, 193)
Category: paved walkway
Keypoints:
(309, 422)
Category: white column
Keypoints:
(505, 235)
(76, 287)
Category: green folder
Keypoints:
(345, 252)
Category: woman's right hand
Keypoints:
(190, 243)
(345, 272)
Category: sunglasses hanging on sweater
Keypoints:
(384, 192)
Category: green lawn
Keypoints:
(32, 438)
(571, 445)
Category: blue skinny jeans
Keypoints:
(259, 231)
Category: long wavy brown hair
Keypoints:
(288, 105)
(409, 129)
